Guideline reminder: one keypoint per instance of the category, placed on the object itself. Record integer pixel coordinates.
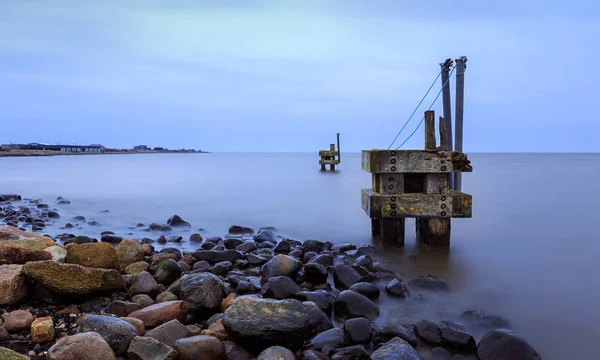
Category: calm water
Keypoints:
(529, 253)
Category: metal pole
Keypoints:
(446, 65)
(461, 65)
(339, 150)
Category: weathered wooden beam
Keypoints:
(414, 161)
(430, 130)
(443, 134)
(392, 232)
(328, 153)
(453, 204)
(388, 183)
(329, 161)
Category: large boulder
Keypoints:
(88, 346)
(257, 323)
(20, 255)
(72, 278)
(13, 286)
(203, 291)
(29, 243)
(505, 344)
(95, 255)
(117, 332)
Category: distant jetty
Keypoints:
(37, 149)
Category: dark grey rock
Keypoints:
(350, 304)
(358, 331)
(505, 344)
(397, 288)
(203, 291)
(396, 349)
(367, 289)
(280, 287)
(116, 332)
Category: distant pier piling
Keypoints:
(415, 184)
(330, 157)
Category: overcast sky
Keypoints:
(286, 75)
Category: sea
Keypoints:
(530, 253)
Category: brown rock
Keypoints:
(146, 348)
(195, 330)
(42, 330)
(13, 287)
(169, 332)
(227, 302)
(3, 334)
(158, 258)
(189, 259)
(8, 232)
(7, 354)
(20, 255)
(147, 249)
(161, 313)
(33, 244)
(216, 334)
(71, 309)
(83, 346)
(18, 320)
(95, 255)
(45, 239)
(123, 308)
(166, 296)
(69, 246)
(143, 300)
(137, 267)
(139, 324)
(129, 251)
(72, 278)
(200, 347)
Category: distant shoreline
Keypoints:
(26, 153)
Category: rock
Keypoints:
(280, 287)
(18, 320)
(315, 273)
(72, 278)
(318, 320)
(232, 243)
(161, 313)
(169, 332)
(344, 276)
(333, 338)
(429, 332)
(13, 287)
(396, 349)
(59, 254)
(281, 265)
(221, 268)
(94, 255)
(358, 331)
(236, 352)
(143, 300)
(158, 258)
(7, 354)
(257, 323)
(177, 221)
(322, 298)
(485, 320)
(3, 335)
(31, 244)
(200, 347)
(314, 355)
(88, 346)
(82, 240)
(166, 296)
(215, 256)
(313, 245)
(397, 288)
(111, 238)
(350, 304)
(42, 330)
(129, 251)
(168, 271)
(430, 283)
(439, 353)
(147, 348)
(137, 323)
(388, 332)
(137, 267)
(201, 265)
(20, 255)
(240, 230)
(276, 353)
(196, 238)
(364, 260)
(367, 289)
(202, 291)
(144, 284)
(457, 339)
(8, 232)
(116, 332)
(505, 344)
(227, 302)
(246, 246)
(356, 352)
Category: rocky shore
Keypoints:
(247, 295)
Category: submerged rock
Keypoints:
(505, 344)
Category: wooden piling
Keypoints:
(416, 184)
(330, 157)
(443, 134)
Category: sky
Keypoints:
(287, 75)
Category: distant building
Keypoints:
(159, 148)
(95, 148)
(141, 147)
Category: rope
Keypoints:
(430, 106)
(417, 108)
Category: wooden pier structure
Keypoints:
(420, 184)
(330, 157)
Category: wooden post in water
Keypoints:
(461, 65)
(446, 65)
(415, 184)
(330, 157)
